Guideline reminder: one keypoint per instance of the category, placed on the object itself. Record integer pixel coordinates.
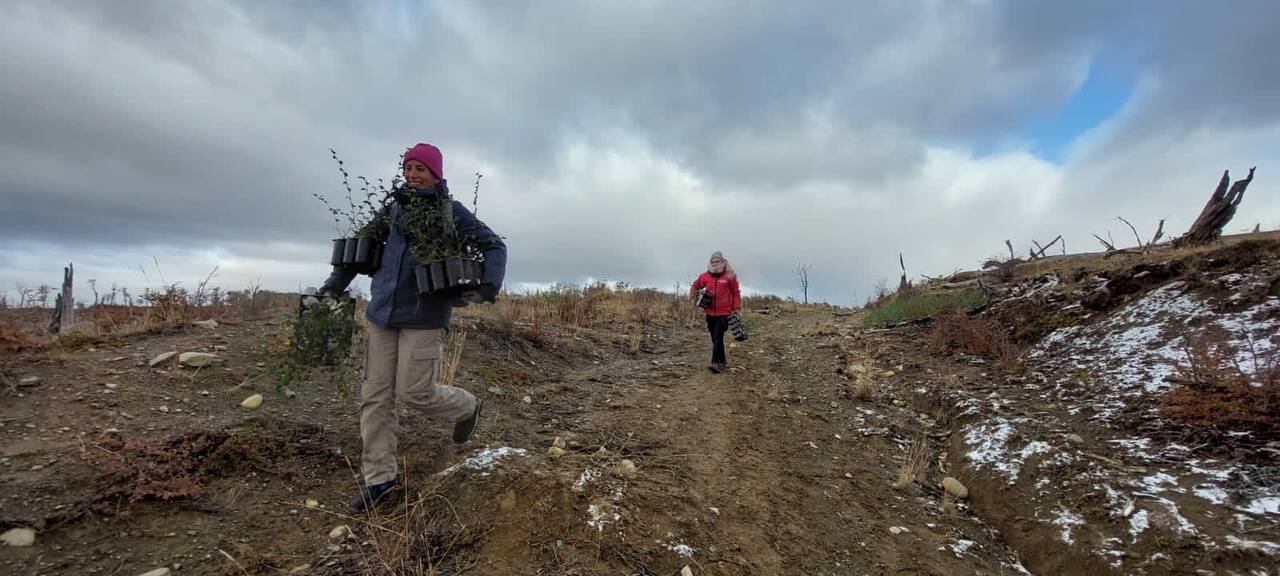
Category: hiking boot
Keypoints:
(462, 430)
(375, 495)
(715, 368)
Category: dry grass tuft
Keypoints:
(452, 356)
(913, 467)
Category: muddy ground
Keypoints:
(776, 467)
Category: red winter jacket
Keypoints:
(724, 293)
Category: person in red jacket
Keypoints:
(721, 286)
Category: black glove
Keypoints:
(482, 293)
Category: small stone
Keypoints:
(157, 572)
(205, 323)
(18, 537)
(496, 391)
(558, 442)
(220, 348)
(191, 532)
(339, 532)
(30, 381)
(312, 504)
(1075, 439)
(161, 359)
(626, 469)
(848, 475)
(898, 529)
(290, 394)
(556, 452)
(198, 359)
(300, 569)
(204, 392)
(163, 409)
(37, 468)
(889, 373)
(955, 488)
(111, 385)
(686, 571)
(252, 402)
(527, 400)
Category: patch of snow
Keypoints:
(601, 516)
(1219, 474)
(961, 547)
(1184, 526)
(1037, 447)
(1068, 521)
(1017, 568)
(989, 447)
(1132, 352)
(1267, 505)
(681, 549)
(484, 459)
(1132, 444)
(1138, 523)
(1269, 548)
(588, 476)
(1211, 493)
(1156, 483)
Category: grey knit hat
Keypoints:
(715, 255)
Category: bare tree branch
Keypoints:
(1135, 230)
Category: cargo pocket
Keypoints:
(426, 363)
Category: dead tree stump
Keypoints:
(64, 307)
(1217, 213)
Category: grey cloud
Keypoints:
(787, 131)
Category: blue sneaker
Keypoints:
(375, 495)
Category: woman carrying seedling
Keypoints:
(716, 292)
(407, 330)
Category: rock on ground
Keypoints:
(252, 402)
(18, 537)
(198, 359)
(161, 358)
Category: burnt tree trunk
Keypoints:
(64, 308)
(1217, 213)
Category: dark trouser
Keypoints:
(717, 325)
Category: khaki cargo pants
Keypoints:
(401, 370)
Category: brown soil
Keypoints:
(776, 467)
(772, 468)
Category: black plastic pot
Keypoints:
(363, 255)
(339, 248)
(349, 251)
(448, 277)
(737, 328)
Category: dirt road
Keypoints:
(772, 468)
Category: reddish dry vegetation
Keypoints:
(975, 335)
(1218, 394)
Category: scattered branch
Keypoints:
(1135, 230)
(1110, 246)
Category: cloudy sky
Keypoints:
(626, 140)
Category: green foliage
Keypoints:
(433, 230)
(320, 337)
(920, 305)
(364, 215)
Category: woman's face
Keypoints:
(417, 175)
(717, 265)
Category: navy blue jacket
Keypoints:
(395, 302)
